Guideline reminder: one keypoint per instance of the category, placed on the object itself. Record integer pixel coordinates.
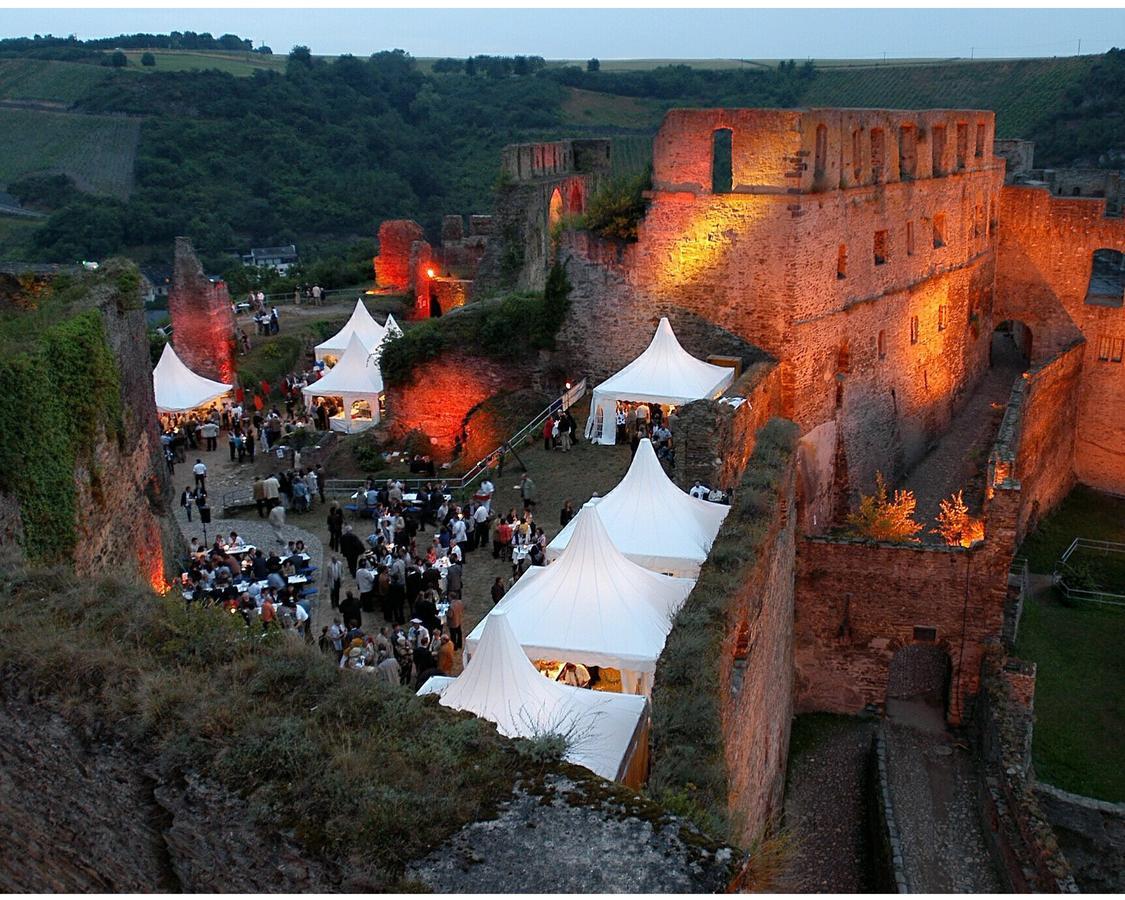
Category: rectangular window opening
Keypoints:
(722, 173)
(914, 329)
(880, 246)
(878, 154)
(942, 316)
(909, 238)
(939, 230)
(937, 146)
(821, 158)
(926, 633)
(979, 152)
(907, 152)
(1111, 349)
(857, 157)
(881, 344)
(842, 262)
(962, 144)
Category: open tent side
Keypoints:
(604, 732)
(593, 606)
(653, 522)
(356, 380)
(665, 373)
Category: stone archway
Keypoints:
(1012, 343)
(920, 674)
(554, 210)
(574, 204)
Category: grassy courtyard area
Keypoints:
(1084, 513)
(1079, 704)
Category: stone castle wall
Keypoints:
(202, 318)
(392, 265)
(757, 677)
(1044, 260)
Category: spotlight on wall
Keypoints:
(429, 273)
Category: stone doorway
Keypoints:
(918, 682)
(1011, 345)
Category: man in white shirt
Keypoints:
(365, 581)
(460, 529)
(272, 487)
(480, 523)
(200, 470)
(487, 489)
(277, 522)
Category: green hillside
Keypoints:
(48, 80)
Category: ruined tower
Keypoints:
(202, 319)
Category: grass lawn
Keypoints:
(1084, 513)
(48, 80)
(239, 64)
(1079, 704)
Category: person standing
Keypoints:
(527, 491)
(565, 422)
(275, 325)
(455, 619)
(335, 526)
(260, 496)
(200, 470)
(335, 579)
(365, 580)
(548, 432)
(497, 591)
(566, 513)
(481, 516)
(186, 500)
(320, 477)
(351, 546)
(248, 444)
(273, 491)
(277, 522)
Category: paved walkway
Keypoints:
(933, 790)
(961, 455)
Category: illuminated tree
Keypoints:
(881, 519)
(956, 526)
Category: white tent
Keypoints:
(665, 373)
(502, 685)
(391, 327)
(370, 333)
(652, 521)
(178, 388)
(356, 380)
(593, 606)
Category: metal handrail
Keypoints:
(346, 487)
(1090, 595)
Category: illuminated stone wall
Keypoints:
(764, 261)
(392, 265)
(202, 319)
(1044, 261)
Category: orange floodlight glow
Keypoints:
(429, 273)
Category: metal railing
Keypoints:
(286, 298)
(1074, 584)
(345, 488)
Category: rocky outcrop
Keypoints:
(565, 839)
(203, 325)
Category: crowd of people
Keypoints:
(637, 421)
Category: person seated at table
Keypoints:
(299, 548)
(276, 580)
(235, 542)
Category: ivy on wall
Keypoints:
(59, 394)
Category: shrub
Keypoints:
(147, 59)
(880, 518)
(956, 526)
(414, 347)
(617, 207)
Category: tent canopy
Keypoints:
(652, 521)
(665, 373)
(178, 388)
(592, 605)
(355, 377)
(501, 684)
(370, 333)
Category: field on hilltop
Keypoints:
(96, 151)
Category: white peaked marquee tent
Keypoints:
(665, 373)
(356, 380)
(370, 333)
(652, 521)
(607, 733)
(593, 606)
(178, 388)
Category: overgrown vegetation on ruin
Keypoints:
(880, 517)
(62, 392)
(689, 772)
(615, 210)
(509, 327)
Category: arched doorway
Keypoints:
(435, 304)
(554, 210)
(574, 205)
(918, 681)
(1011, 345)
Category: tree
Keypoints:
(880, 519)
(448, 65)
(594, 65)
(955, 525)
(301, 54)
(147, 59)
(471, 66)
(119, 60)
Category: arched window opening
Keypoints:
(1107, 278)
(722, 161)
(554, 210)
(574, 205)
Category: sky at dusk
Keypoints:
(617, 33)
